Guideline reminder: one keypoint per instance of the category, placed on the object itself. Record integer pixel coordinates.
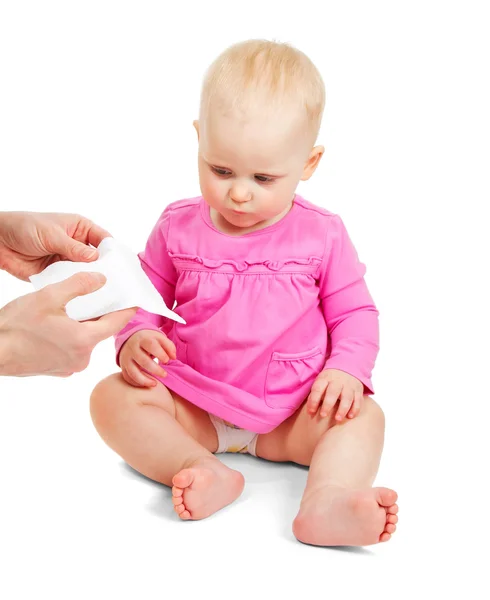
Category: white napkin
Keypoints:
(127, 284)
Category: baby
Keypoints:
(282, 334)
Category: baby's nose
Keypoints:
(240, 193)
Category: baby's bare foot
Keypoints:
(204, 488)
(333, 516)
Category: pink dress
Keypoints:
(265, 312)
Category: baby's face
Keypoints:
(249, 169)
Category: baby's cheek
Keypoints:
(212, 190)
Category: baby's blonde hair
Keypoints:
(267, 75)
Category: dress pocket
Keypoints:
(290, 377)
(181, 348)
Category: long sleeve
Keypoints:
(158, 266)
(350, 314)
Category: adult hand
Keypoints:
(38, 338)
(29, 242)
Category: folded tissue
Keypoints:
(127, 284)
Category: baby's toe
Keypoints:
(183, 479)
(392, 519)
(390, 528)
(384, 537)
(385, 496)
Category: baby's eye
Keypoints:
(221, 172)
(263, 179)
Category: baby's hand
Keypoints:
(138, 353)
(329, 386)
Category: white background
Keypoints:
(96, 107)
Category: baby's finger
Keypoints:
(333, 392)
(142, 380)
(346, 401)
(148, 364)
(169, 347)
(316, 395)
(154, 348)
(356, 406)
(128, 379)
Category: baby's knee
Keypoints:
(373, 411)
(102, 398)
(113, 398)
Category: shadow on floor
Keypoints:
(286, 480)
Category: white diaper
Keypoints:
(233, 439)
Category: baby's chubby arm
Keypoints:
(352, 323)
(159, 268)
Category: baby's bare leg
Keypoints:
(339, 507)
(167, 439)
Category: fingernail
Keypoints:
(88, 253)
(99, 277)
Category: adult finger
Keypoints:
(94, 233)
(77, 245)
(110, 324)
(331, 396)
(59, 242)
(79, 284)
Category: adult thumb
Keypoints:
(79, 284)
(73, 250)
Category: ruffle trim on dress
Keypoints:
(246, 265)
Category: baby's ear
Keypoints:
(312, 162)
(196, 127)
